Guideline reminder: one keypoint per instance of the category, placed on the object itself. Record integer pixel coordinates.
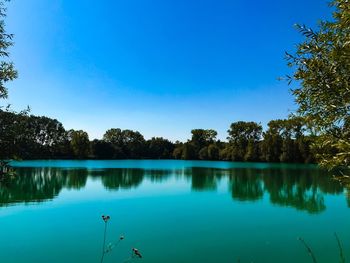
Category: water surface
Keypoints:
(172, 211)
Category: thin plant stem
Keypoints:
(104, 242)
(309, 250)
(341, 251)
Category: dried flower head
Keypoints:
(105, 218)
(136, 252)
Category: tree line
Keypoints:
(24, 136)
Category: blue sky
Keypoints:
(159, 67)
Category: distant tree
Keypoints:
(129, 144)
(225, 153)
(240, 135)
(322, 68)
(203, 153)
(24, 136)
(210, 152)
(287, 151)
(202, 137)
(306, 152)
(159, 148)
(213, 152)
(271, 146)
(79, 141)
(114, 136)
(102, 149)
(244, 131)
(252, 152)
(44, 134)
(188, 152)
(285, 141)
(134, 144)
(10, 128)
(177, 153)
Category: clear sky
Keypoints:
(162, 67)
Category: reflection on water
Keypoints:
(303, 189)
(246, 186)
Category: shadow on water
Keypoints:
(302, 189)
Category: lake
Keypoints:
(171, 211)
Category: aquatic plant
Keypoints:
(105, 220)
(135, 253)
(311, 253)
(341, 252)
(309, 250)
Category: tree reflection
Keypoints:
(76, 178)
(113, 179)
(301, 188)
(203, 179)
(159, 175)
(245, 185)
(39, 184)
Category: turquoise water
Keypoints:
(172, 211)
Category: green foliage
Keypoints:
(102, 149)
(287, 141)
(24, 136)
(201, 142)
(213, 152)
(177, 153)
(159, 148)
(126, 142)
(241, 135)
(203, 153)
(9, 128)
(188, 152)
(322, 68)
(7, 69)
(114, 136)
(201, 146)
(201, 137)
(252, 152)
(79, 141)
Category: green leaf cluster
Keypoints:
(321, 66)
